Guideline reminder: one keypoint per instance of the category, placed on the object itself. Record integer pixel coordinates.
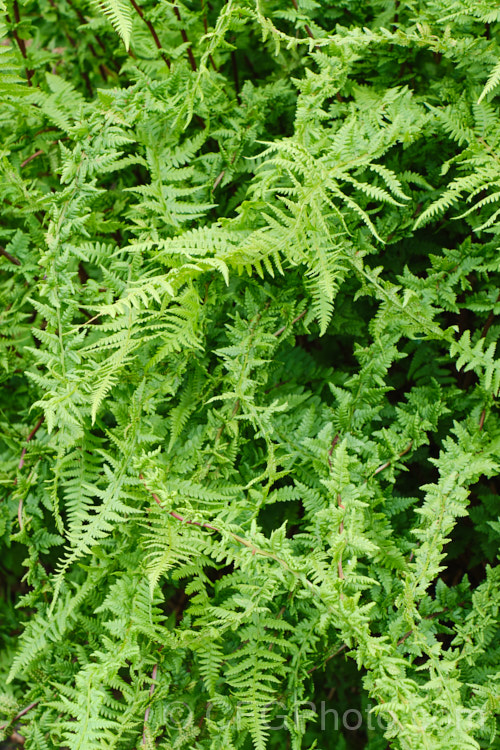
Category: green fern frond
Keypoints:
(491, 83)
(119, 13)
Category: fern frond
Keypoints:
(491, 83)
(119, 13)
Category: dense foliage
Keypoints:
(249, 280)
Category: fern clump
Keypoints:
(250, 435)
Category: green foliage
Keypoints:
(249, 419)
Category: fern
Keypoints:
(249, 430)
(119, 13)
(491, 83)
